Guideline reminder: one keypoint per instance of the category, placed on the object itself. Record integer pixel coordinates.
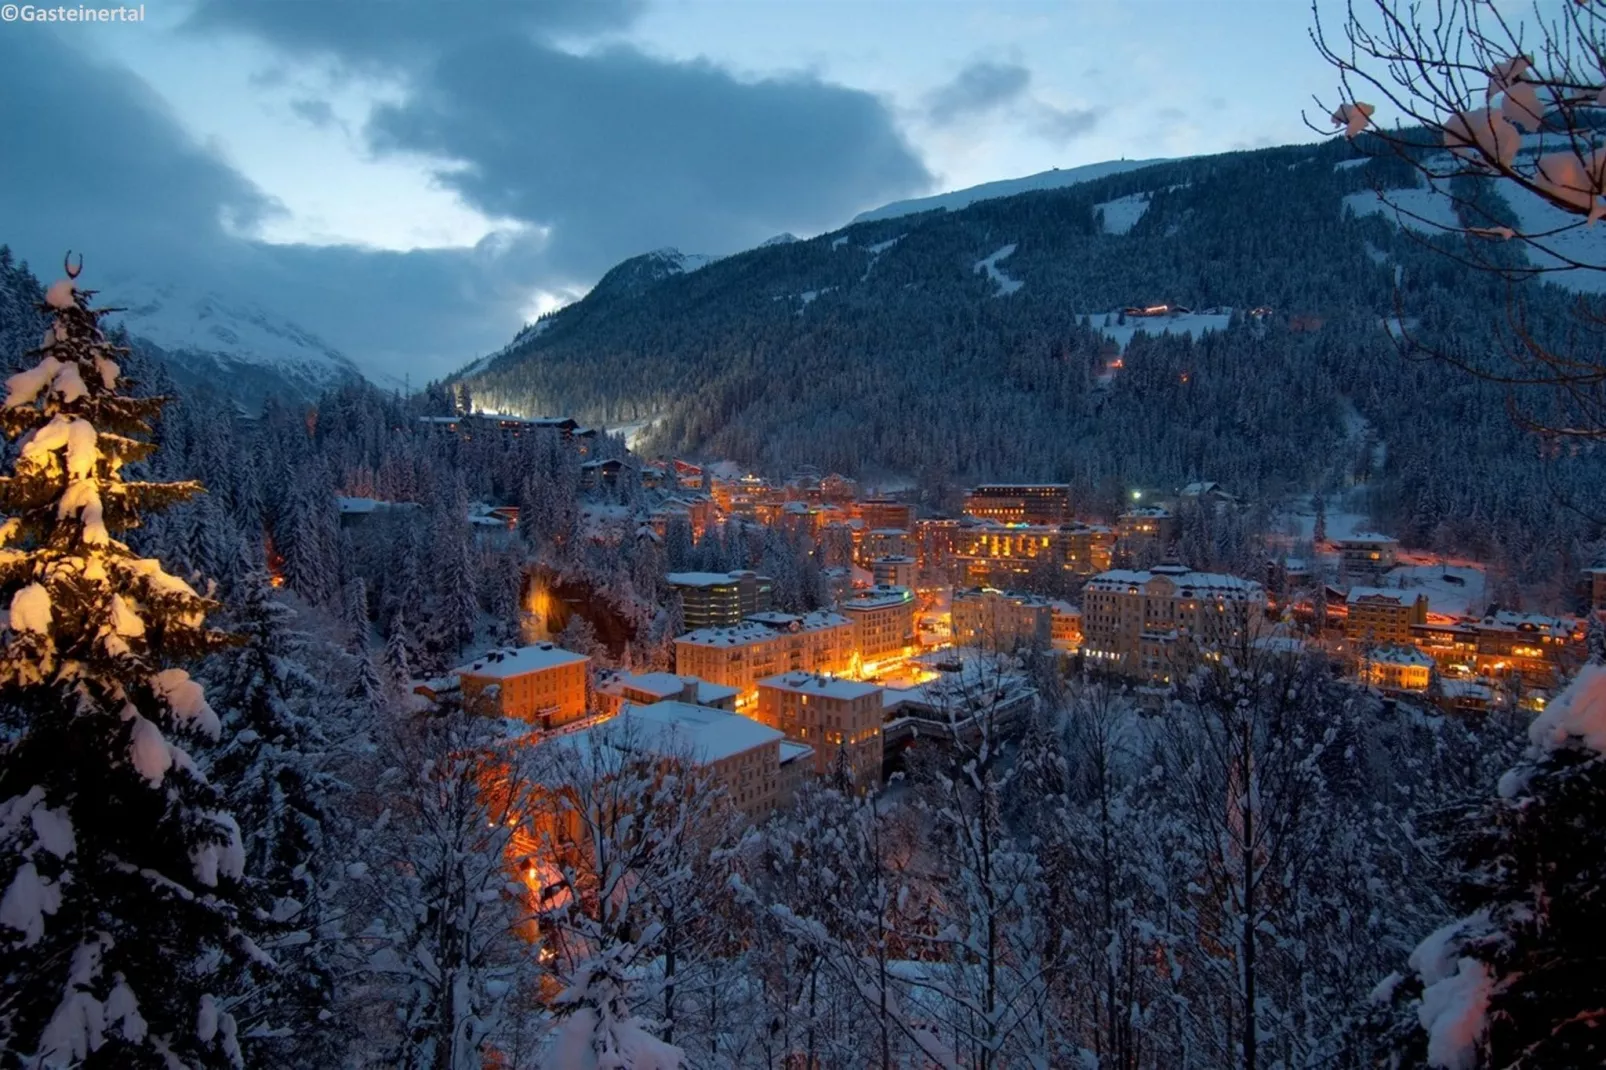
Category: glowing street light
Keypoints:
(1137, 495)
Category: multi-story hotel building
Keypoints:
(719, 599)
(1067, 626)
(885, 542)
(883, 624)
(886, 513)
(766, 645)
(991, 554)
(1364, 557)
(830, 715)
(1383, 616)
(896, 570)
(1540, 650)
(542, 683)
(1146, 623)
(1001, 620)
(1021, 503)
(1146, 531)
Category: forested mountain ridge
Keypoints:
(890, 345)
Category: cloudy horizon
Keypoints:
(414, 181)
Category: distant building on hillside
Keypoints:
(1365, 557)
(1021, 503)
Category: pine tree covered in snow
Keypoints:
(121, 867)
(277, 773)
(1515, 980)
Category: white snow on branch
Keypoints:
(30, 609)
(187, 700)
(24, 387)
(26, 902)
(60, 294)
(1578, 713)
(148, 750)
(82, 448)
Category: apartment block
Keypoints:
(615, 688)
(1021, 503)
(883, 624)
(542, 683)
(1383, 616)
(719, 599)
(1147, 623)
(1364, 557)
(885, 513)
(896, 570)
(832, 716)
(1001, 620)
(1398, 668)
(767, 644)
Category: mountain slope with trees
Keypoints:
(888, 346)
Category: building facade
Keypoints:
(886, 513)
(1021, 503)
(542, 684)
(719, 599)
(1383, 616)
(1364, 558)
(839, 719)
(896, 570)
(1001, 620)
(883, 624)
(1147, 623)
(767, 645)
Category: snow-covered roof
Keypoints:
(710, 735)
(1408, 656)
(502, 664)
(1367, 538)
(791, 752)
(1189, 582)
(1384, 594)
(662, 684)
(895, 559)
(701, 579)
(881, 596)
(755, 630)
(809, 683)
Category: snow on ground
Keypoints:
(1347, 165)
(954, 201)
(837, 243)
(1123, 213)
(1579, 242)
(1006, 285)
(1452, 590)
(1190, 323)
(882, 246)
(1426, 211)
(636, 431)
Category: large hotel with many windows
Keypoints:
(1144, 624)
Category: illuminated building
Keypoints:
(883, 624)
(766, 644)
(835, 717)
(990, 554)
(1021, 503)
(1146, 530)
(1383, 616)
(886, 513)
(1538, 649)
(615, 688)
(885, 542)
(897, 570)
(1398, 668)
(719, 599)
(1365, 557)
(541, 683)
(1144, 623)
(742, 755)
(1001, 620)
(1066, 624)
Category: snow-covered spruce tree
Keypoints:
(1514, 981)
(120, 867)
(274, 769)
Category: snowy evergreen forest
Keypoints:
(230, 836)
